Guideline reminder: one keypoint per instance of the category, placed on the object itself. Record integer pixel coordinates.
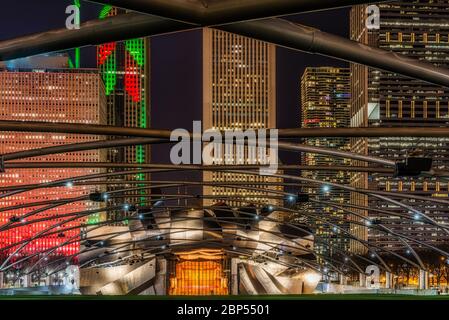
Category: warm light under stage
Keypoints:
(199, 273)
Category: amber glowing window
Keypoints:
(200, 277)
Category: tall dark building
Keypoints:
(325, 103)
(124, 67)
(418, 29)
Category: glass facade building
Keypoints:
(417, 29)
(325, 103)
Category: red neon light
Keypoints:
(104, 51)
(132, 83)
(312, 121)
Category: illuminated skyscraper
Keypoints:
(325, 103)
(125, 71)
(50, 96)
(417, 29)
(239, 92)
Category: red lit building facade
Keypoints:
(50, 96)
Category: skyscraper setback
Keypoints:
(325, 103)
(417, 29)
(50, 96)
(239, 92)
(125, 71)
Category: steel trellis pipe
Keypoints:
(387, 266)
(325, 221)
(104, 130)
(241, 169)
(75, 147)
(186, 183)
(104, 144)
(94, 32)
(244, 187)
(84, 213)
(363, 242)
(298, 37)
(277, 31)
(186, 218)
(368, 246)
(104, 165)
(208, 13)
(212, 219)
(377, 194)
(386, 230)
(233, 184)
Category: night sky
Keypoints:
(176, 77)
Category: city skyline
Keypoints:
(99, 194)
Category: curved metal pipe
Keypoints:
(75, 147)
(335, 185)
(235, 169)
(175, 184)
(104, 130)
(206, 13)
(317, 218)
(364, 243)
(298, 37)
(94, 32)
(369, 261)
(41, 235)
(377, 194)
(105, 144)
(387, 231)
(109, 165)
(184, 218)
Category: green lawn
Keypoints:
(261, 297)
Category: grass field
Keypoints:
(261, 297)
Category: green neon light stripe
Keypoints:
(105, 11)
(77, 58)
(136, 48)
(77, 50)
(109, 74)
(93, 219)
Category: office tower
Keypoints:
(48, 96)
(417, 29)
(239, 92)
(325, 103)
(124, 67)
